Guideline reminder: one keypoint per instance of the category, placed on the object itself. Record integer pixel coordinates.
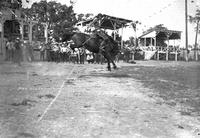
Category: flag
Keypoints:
(134, 26)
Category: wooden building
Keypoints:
(14, 24)
(103, 21)
(160, 42)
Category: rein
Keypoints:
(86, 40)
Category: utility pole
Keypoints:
(195, 45)
(186, 30)
(46, 18)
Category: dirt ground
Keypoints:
(149, 99)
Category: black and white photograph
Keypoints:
(99, 68)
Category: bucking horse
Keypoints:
(95, 43)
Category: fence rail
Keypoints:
(171, 53)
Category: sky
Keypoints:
(171, 13)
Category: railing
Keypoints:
(148, 48)
(168, 51)
(161, 49)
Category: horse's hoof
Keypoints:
(109, 69)
(132, 62)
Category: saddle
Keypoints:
(103, 35)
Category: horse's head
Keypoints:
(67, 36)
(73, 48)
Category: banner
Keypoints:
(149, 54)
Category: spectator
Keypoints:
(29, 50)
(82, 55)
(90, 58)
(17, 52)
(6, 46)
(9, 50)
(42, 51)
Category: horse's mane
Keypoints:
(67, 36)
(83, 34)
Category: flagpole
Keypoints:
(186, 30)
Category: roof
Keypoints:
(173, 34)
(107, 22)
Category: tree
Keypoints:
(196, 20)
(13, 4)
(156, 27)
(60, 18)
(133, 41)
(84, 17)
